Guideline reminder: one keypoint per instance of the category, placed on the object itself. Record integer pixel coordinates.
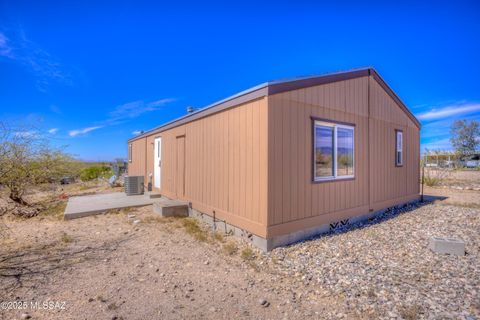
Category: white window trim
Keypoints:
(397, 163)
(335, 126)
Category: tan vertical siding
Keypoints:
(295, 201)
(149, 174)
(226, 162)
(251, 164)
(137, 166)
(388, 182)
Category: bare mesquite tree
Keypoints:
(26, 159)
(465, 136)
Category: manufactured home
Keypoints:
(288, 159)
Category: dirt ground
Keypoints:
(457, 187)
(466, 198)
(105, 267)
(455, 179)
(132, 264)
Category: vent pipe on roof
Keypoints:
(191, 109)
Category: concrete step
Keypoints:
(170, 208)
(154, 195)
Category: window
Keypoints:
(129, 153)
(398, 148)
(333, 151)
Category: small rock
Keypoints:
(135, 222)
(26, 316)
(212, 309)
(130, 216)
(206, 263)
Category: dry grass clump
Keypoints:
(434, 177)
(218, 237)
(410, 312)
(66, 238)
(192, 227)
(230, 248)
(247, 254)
(154, 219)
(54, 209)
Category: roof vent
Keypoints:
(191, 109)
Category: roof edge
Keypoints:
(394, 96)
(279, 86)
(239, 98)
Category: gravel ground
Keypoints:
(384, 268)
(135, 265)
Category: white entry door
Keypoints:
(157, 163)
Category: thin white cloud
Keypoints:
(79, 132)
(39, 62)
(55, 109)
(136, 108)
(449, 111)
(5, 49)
(441, 145)
(53, 130)
(124, 113)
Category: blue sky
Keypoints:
(89, 74)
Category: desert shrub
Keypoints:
(95, 172)
(193, 228)
(410, 312)
(431, 181)
(433, 177)
(230, 248)
(66, 238)
(218, 236)
(247, 254)
(53, 209)
(27, 159)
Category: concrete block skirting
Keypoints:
(279, 241)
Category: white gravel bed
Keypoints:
(383, 268)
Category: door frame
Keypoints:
(178, 169)
(157, 162)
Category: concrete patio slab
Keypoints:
(82, 206)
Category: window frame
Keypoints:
(130, 152)
(335, 125)
(399, 164)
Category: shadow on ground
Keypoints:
(388, 214)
